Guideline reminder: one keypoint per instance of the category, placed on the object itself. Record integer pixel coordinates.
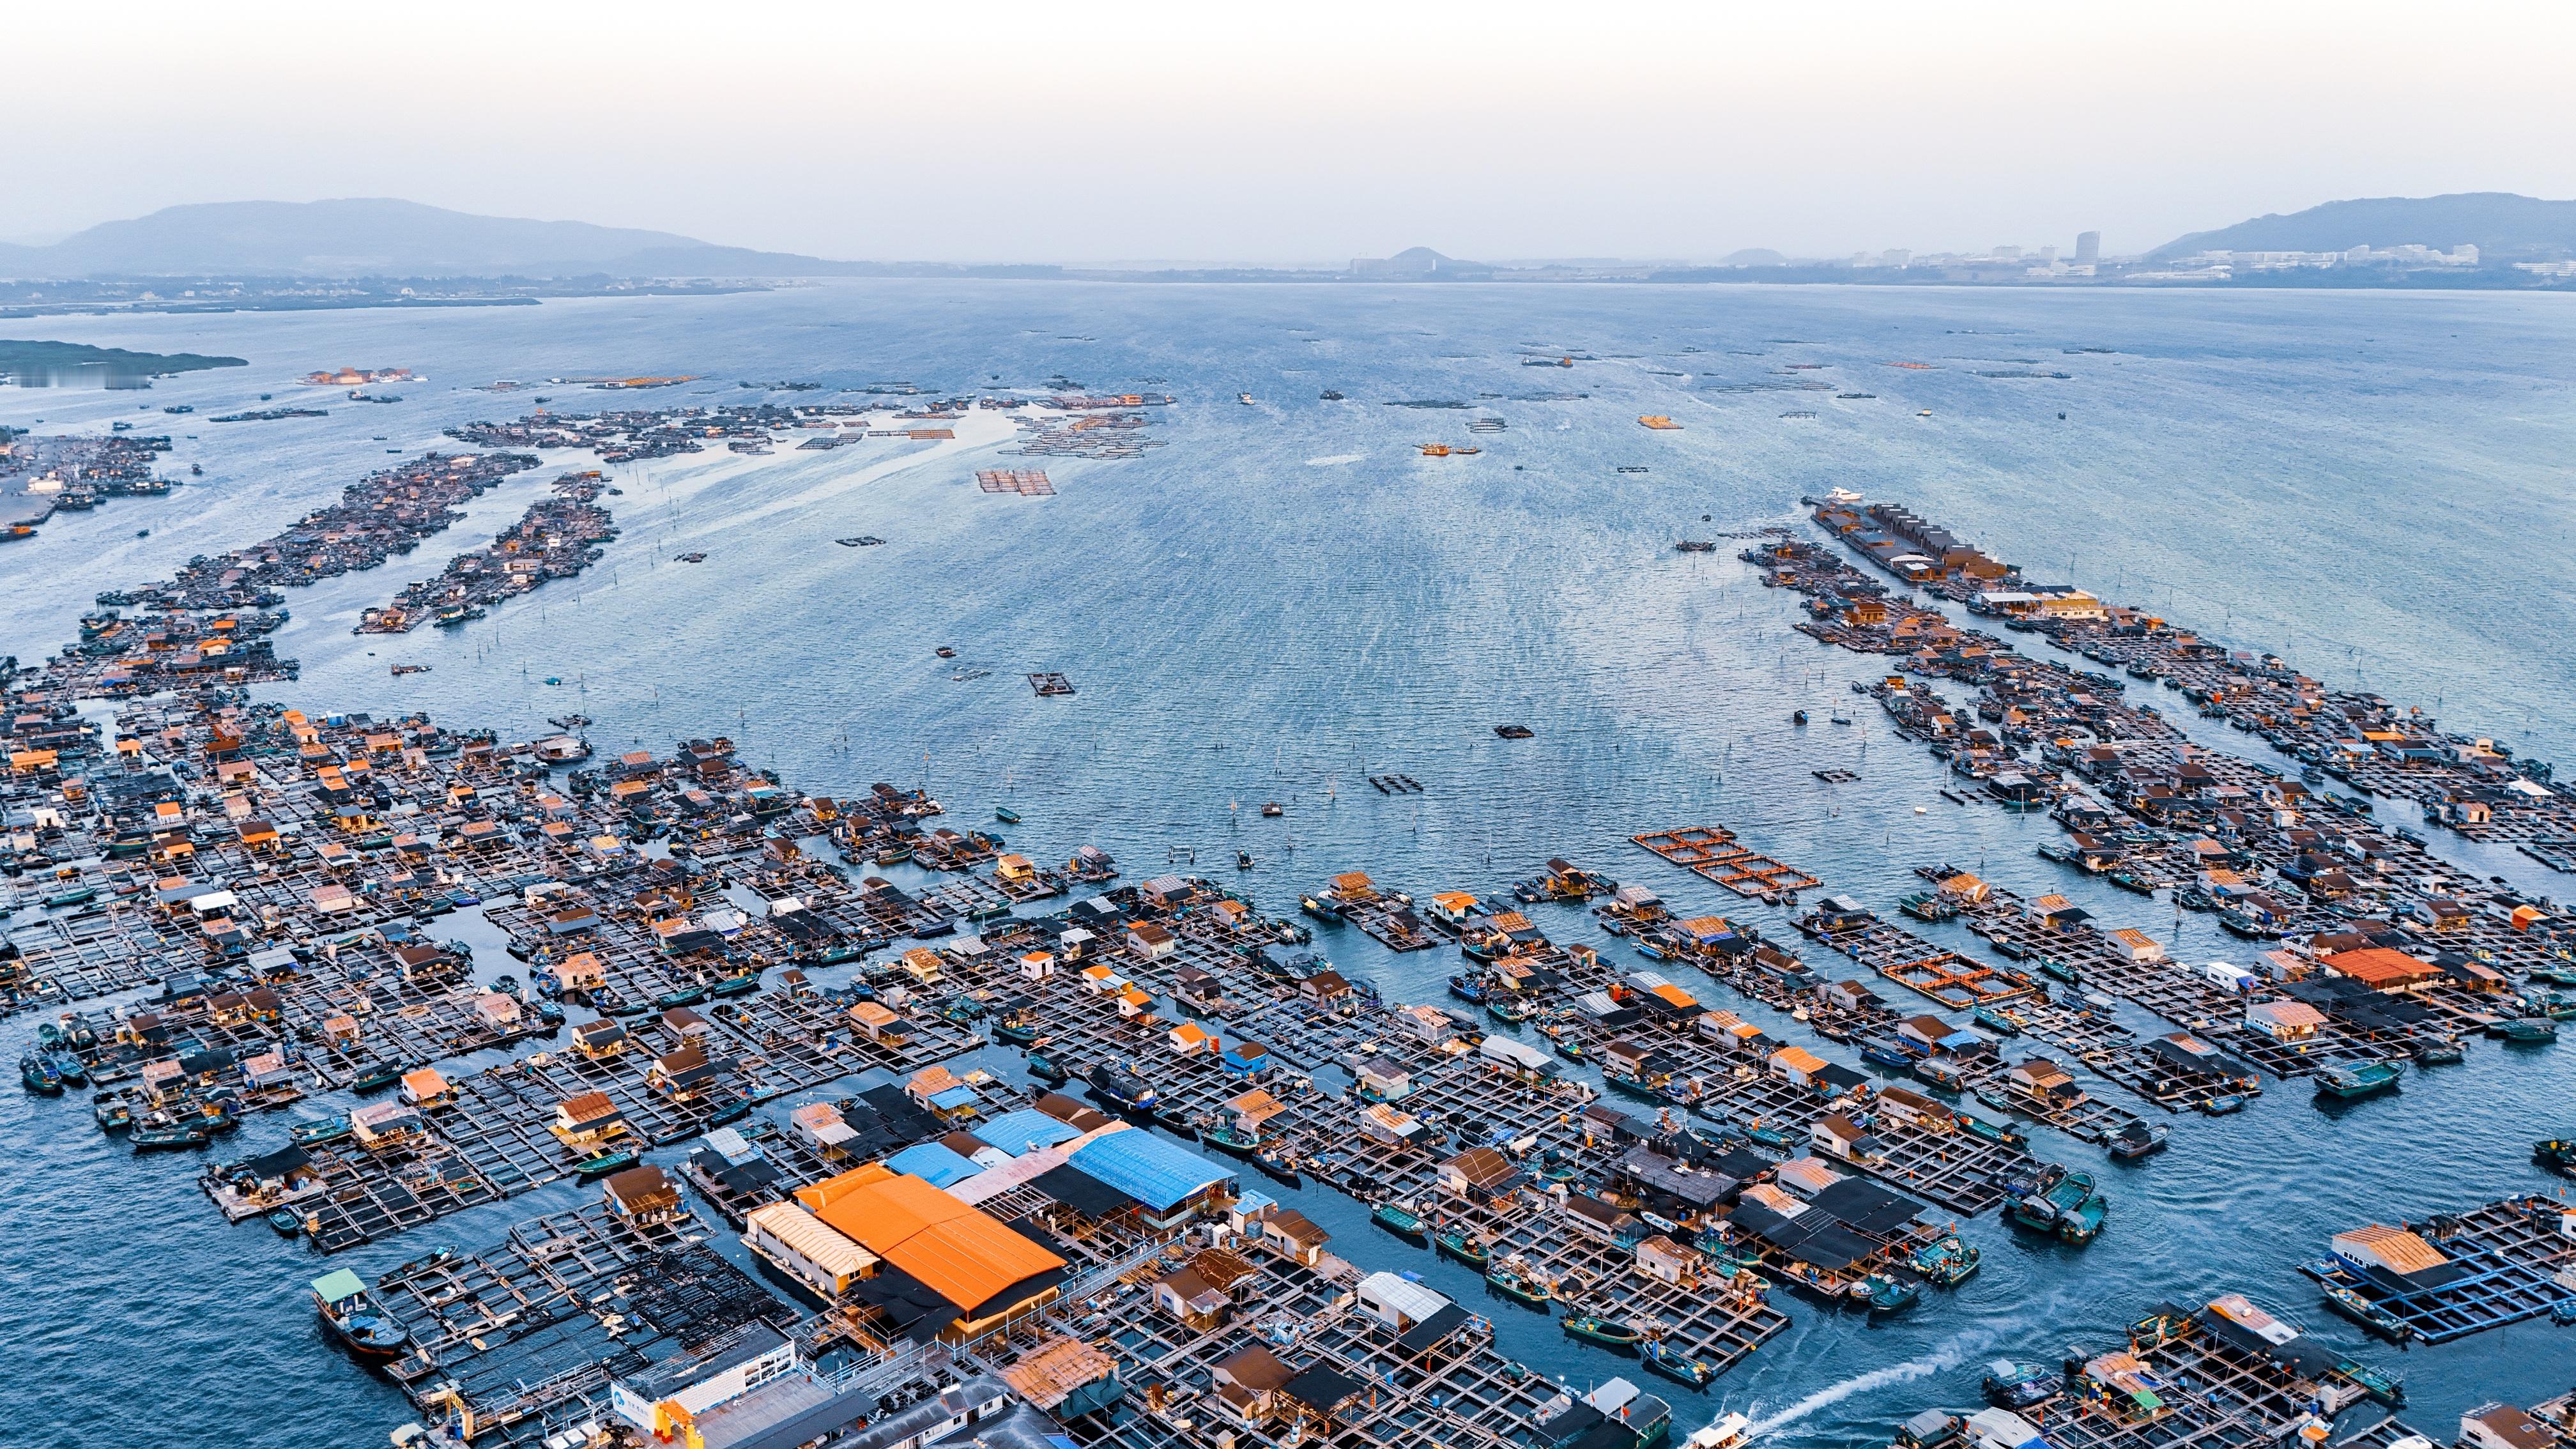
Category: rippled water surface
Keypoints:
(1288, 598)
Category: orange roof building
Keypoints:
(959, 1252)
(2381, 969)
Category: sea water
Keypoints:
(1288, 597)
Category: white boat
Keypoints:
(1731, 1431)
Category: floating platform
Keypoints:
(1713, 853)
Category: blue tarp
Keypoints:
(1024, 1131)
(934, 1163)
(1147, 1168)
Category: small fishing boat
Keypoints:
(733, 1111)
(1006, 815)
(742, 984)
(1946, 1263)
(2442, 1051)
(80, 897)
(1678, 1366)
(2009, 1385)
(1278, 1164)
(1399, 1219)
(1771, 1137)
(1243, 860)
(2527, 1031)
(1940, 1074)
(69, 1068)
(2350, 1082)
(49, 1037)
(112, 1112)
(1518, 1286)
(2362, 1311)
(1120, 1088)
(1044, 1068)
(1508, 1009)
(377, 1078)
(2056, 1194)
(352, 1318)
(40, 1075)
(2083, 1223)
(1016, 1033)
(604, 1163)
(1733, 1431)
(1989, 1130)
(2221, 1104)
(1994, 1020)
(285, 1223)
(1887, 1293)
(685, 996)
(2558, 1154)
(2137, 1138)
(1797, 717)
(1228, 1139)
(1454, 1243)
(1884, 1054)
(319, 1133)
(1608, 1332)
(167, 1138)
(1470, 989)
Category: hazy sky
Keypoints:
(1292, 133)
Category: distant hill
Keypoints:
(1417, 262)
(42, 364)
(386, 238)
(2501, 225)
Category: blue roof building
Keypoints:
(1024, 1131)
(935, 1163)
(1162, 1176)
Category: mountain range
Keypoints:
(387, 238)
(404, 239)
(2501, 225)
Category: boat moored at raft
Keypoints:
(353, 1320)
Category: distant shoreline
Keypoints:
(2483, 280)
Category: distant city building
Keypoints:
(1895, 257)
(2088, 248)
(2048, 254)
(2408, 256)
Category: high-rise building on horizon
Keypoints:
(2088, 248)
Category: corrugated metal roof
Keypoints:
(934, 1163)
(1019, 1131)
(1147, 1168)
(1402, 1295)
(953, 1249)
(810, 1238)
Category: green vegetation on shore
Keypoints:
(41, 363)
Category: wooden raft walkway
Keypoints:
(1713, 853)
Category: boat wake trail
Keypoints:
(1948, 1356)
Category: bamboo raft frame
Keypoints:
(1712, 853)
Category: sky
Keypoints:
(1293, 134)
